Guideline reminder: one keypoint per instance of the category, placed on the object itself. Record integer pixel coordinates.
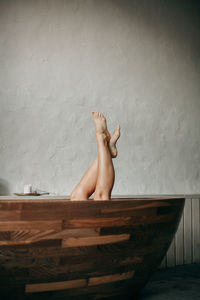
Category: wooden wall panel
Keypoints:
(179, 242)
(188, 232)
(185, 247)
(195, 230)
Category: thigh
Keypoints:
(79, 193)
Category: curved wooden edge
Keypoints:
(75, 202)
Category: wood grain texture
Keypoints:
(30, 225)
(53, 286)
(110, 278)
(92, 241)
(77, 249)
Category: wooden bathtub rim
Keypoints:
(40, 199)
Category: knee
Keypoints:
(73, 195)
(78, 194)
(101, 195)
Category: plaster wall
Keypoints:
(138, 62)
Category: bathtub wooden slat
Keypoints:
(92, 241)
(38, 203)
(42, 273)
(139, 230)
(120, 212)
(120, 253)
(43, 243)
(142, 208)
(112, 222)
(72, 210)
(97, 222)
(54, 286)
(30, 236)
(25, 245)
(30, 225)
(110, 278)
(51, 211)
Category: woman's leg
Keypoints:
(87, 184)
(86, 187)
(106, 173)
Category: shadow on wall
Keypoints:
(4, 187)
(166, 18)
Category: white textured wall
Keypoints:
(136, 61)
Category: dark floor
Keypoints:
(178, 283)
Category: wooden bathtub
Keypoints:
(60, 249)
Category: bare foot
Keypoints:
(100, 124)
(113, 141)
(108, 136)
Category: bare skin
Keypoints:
(112, 143)
(99, 178)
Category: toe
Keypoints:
(102, 116)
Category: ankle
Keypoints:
(101, 137)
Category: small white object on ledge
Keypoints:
(27, 189)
